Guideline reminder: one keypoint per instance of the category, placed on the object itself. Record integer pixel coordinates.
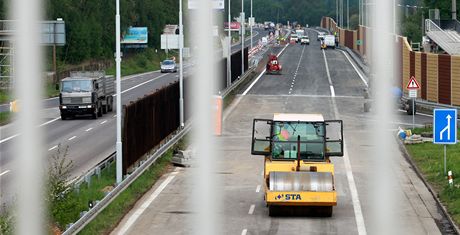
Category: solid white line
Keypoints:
(138, 85)
(103, 122)
(251, 209)
(244, 232)
(11, 137)
(354, 195)
(332, 91)
(258, 188)
(261, 74)
(351, 182)
(356, 69)
(73, 137)
(48, 122)
(328, 75)
(5, 172)
(146, 204)
(54, 147)
(88, 129)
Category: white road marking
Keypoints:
(244, 232)
(138, 85)
(103, 122)
(115, 115)
(351, 182)
(328, 75)
(146, 204)
(6, 139)
(54, 147)
(5, 172)
(251, 209)
(258, 188)
(73, 137)
(88, 129)
(261, 74)
(356, 69)
(48, 122)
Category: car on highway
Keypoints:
(168, 66)
(320, 36)
(329, 40)
(304, 40)
(294, 38)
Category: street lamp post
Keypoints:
(229, 49)
(251, 22)
(242, 37)
(118, 77)
(181, 67)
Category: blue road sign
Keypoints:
(445, 126)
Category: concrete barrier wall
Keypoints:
(438, 75)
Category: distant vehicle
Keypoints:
(329, 40)
(86, 93)
(294, 38)
(304, 40)
(168, 66)
(320, 36)
(273, 65)
(300, 32)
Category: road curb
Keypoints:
(445, 213)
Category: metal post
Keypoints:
(229, 57)
(118, 77)
(348, 14)
(252, 22)
(359, 12)
(242, 37)
(54, 64)
(181, 67)
(413, 113)
(337, 11)
(445, 159)
(454, 9)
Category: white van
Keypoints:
(329, 40)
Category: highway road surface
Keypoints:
(312, 81)
(89, 141)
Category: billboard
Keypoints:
(169, 41)
(216, 4)
(135, 35)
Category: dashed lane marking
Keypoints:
(103, 122)
(251, 209)
(244, 232)
(258, 188)
(88, 129)
(52, 148)
(5, 172)
(73, 137)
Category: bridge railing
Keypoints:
(450, 44)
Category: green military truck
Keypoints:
(86, 93)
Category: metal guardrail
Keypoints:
(93, 212)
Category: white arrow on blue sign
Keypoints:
(445, 126)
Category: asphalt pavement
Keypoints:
(312, 81)
(87, 141)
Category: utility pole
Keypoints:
(242, 37)
(348, 14)
(229, 49)
(252, 21)
(181, 67)
(454, 9)
(118, 77)
(337, 11)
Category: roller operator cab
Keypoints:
(298, 173)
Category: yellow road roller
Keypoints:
(298, 173)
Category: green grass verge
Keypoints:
(50, 91)
(108, 219)
(5, 96)
(5, 117)
(429, 159)
(146, 61)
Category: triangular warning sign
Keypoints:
(413, 84)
